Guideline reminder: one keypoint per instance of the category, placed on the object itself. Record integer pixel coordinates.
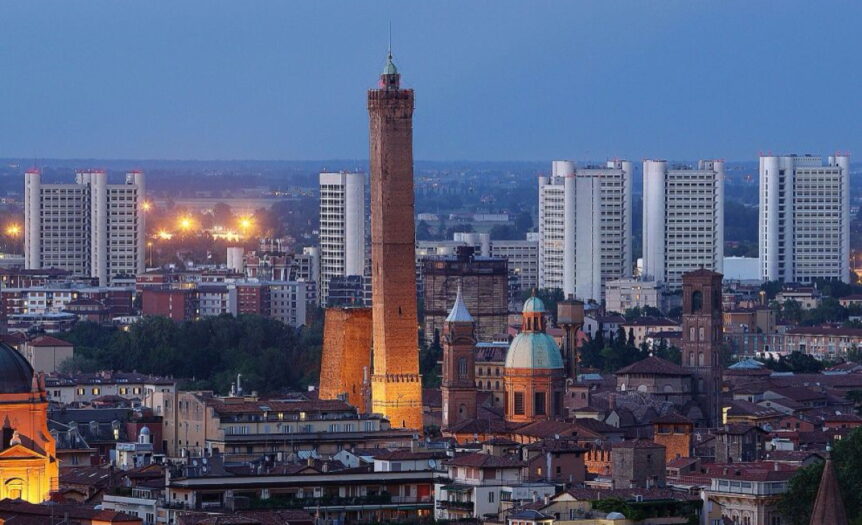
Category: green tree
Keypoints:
(798, 501)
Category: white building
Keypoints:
(683, 220)
(91, 228)
(523, 257)
(289, 302)
(804, 218)
(622, 294)
(342, 227)
(585, 227)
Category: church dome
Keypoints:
(16, 374)
(533, 304)
(534, 350)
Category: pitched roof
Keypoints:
(478, 460)
(672, 418)
(459, 312)
(828, 507)
(47, 340)
(653, 365)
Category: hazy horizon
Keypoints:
(502, 81)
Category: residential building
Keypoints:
(244, 428)
(68, 389)
(638, 463)
(683, 220)
(342, 227)
(523, 262)
(46, 353)
(623, 294)
(804, 218)
(480, 482)
(575, 204)
(90, 228)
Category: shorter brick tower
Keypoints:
(459, 370)
(346, 359)
(535, 372)
(702, 335)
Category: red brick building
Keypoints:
(176, 304)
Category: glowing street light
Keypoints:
(13, 230)
(164, 235)
(246, 223)
(146, 205)
(185, 223)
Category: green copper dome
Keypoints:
(534, 350)
(533, 304)
(389, 68)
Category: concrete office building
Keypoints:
(342, 227)
(683, 220)
(804, 218)
(585, 227)
(91, 228)
(523, 257)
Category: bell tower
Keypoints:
(702, 336)
(459, 371)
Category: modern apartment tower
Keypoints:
(804, 218)
(585, 227)
(683, 220)
(91, 228)
(396, 390)
(342, 228)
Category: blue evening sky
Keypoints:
(494, 80)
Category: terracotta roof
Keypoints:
(10, 508)
(47, 340)
(654, 366)
(650, 321)
(477, 460)
(828, 507)
(739, 429)
(278, 406)
(825, 331)
(406, 455)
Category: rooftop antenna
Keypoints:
(390, 40)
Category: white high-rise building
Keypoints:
(89, 228)
(804, 218)
(585, 227)
(342, 227)
(683, 220)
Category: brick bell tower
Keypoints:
(702, 336)
(459, 370)
(396, 388)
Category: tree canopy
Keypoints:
(798, 501)
(208, 353)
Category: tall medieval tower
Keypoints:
(459, 365)
(702, 338)
(396, 389)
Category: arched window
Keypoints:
(691, 334)
(691, 359)
(462, 367)
(700, 360)
(489, 385)
(702, 333)
(697, 301)
(496, 385)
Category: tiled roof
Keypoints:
(637, 443)
(477, 460)
(47, 340)
(672, 418)
(828, 506)
(654, 366)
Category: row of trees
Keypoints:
(207, 353)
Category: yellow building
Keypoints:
(29, 469)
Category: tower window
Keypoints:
(462, 367)
(697, 301)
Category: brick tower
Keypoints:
(702, 337)
(396, 389)
(459, 370)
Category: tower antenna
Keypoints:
(390, 39)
